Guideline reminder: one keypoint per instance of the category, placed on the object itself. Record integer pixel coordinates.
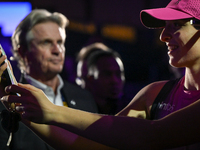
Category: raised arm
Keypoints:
(115, 131)
(62, 139)
(112, 131)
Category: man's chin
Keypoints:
(56, 69)
(54, 72)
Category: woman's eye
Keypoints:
(181, 23)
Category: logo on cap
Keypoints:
(177, 2)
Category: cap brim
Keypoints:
(155, 18)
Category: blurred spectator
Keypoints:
(101, 71)
(38, 46)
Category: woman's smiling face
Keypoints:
(182, 40)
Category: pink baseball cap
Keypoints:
(175, 10)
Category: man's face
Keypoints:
(46, 49)
(108, 82)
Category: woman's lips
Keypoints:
(171, 48)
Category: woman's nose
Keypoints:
(165, 35)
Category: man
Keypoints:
(38, 45)
(101, 71)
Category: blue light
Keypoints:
(11, 13)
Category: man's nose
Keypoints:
(115, 78)
(56, 48)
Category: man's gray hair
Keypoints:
(19, 37)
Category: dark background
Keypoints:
(117, 24)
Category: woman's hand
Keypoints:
(34, 105)
(2, 69)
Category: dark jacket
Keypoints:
(25, 139)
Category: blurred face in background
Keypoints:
(107, 79)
